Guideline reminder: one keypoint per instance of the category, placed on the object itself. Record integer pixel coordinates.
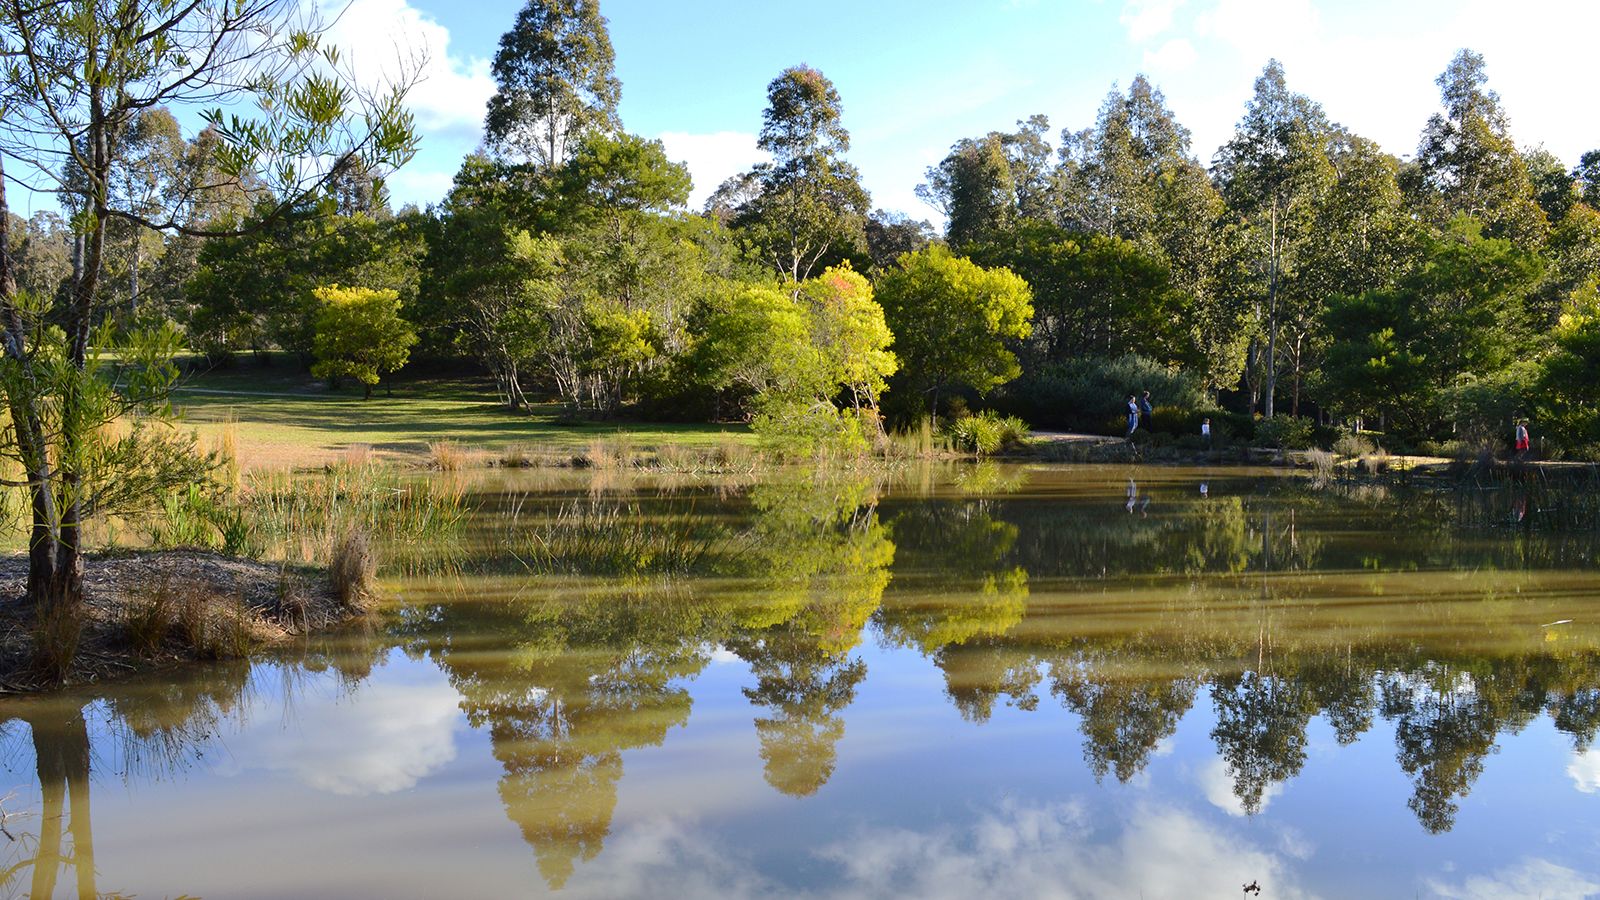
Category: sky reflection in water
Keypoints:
(948, 683)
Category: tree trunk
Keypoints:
(25, 417)
(66, 592)
(62, 757)
(1299, 368)
(133, 275)
(1270, 377)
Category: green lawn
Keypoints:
(285, 418)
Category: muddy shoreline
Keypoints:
(148, 610)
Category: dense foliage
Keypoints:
(1301, 271)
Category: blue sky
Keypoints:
(917, 76)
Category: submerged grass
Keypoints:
(607, 537)
(311, 518)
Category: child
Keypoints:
(1205, 432)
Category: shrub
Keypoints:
(1353, 446)
(1456, 449)
(986, 433)
(1285, 432)
(1087, 393)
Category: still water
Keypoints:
(952, 683)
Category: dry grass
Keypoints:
(226, 447)
(188, 616)
(606, 453)
(356, 456)
(446, 456)
(1375, 462)
(352, 570)
(1322, 464)
(515, 456)
(57, 631)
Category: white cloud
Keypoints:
(1530, 878)
(1260, 27)
(712, 158)
(1013, 850)
(1049, 850)
(1584, 770)
(384, 738)
(1218, 786)
(382, 39)
(1175, 55)
(1145, 19)
(420, 185)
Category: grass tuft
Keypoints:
(446, 456)
(352, 570)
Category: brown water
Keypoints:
(953, 683)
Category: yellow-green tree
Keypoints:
(850, 333)
(951, 319)
(360, 335)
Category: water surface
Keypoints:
(944, 683)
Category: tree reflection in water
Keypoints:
(597, 668)
(145, 730)
(1274, 606)
(1233, 593)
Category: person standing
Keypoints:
(1145, 409)
(1133, 417)
(1205, 433)
(1523, 440)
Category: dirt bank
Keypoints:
(149, 609)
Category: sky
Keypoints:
(917, 75)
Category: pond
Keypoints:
(948, 682)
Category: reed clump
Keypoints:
(515, 456)
(353, 569)
(1322, 464)
(447, 456)
(187, 617)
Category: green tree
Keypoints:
(805, 208)
(850, 334)
(634, 263)
(254, 291)
(496, 287)
(1273, 173)
(796, 353)
(974, 188)
(890, 234)
(76, 76)
(360, 335)
(951, 319)
(1362, 239)
(1093, 294)
(1587, 178)
(1459, 313)
(1133, 176)
(555, 74)
(1468, 164)
(1571, 380)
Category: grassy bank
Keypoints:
(282, 418)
